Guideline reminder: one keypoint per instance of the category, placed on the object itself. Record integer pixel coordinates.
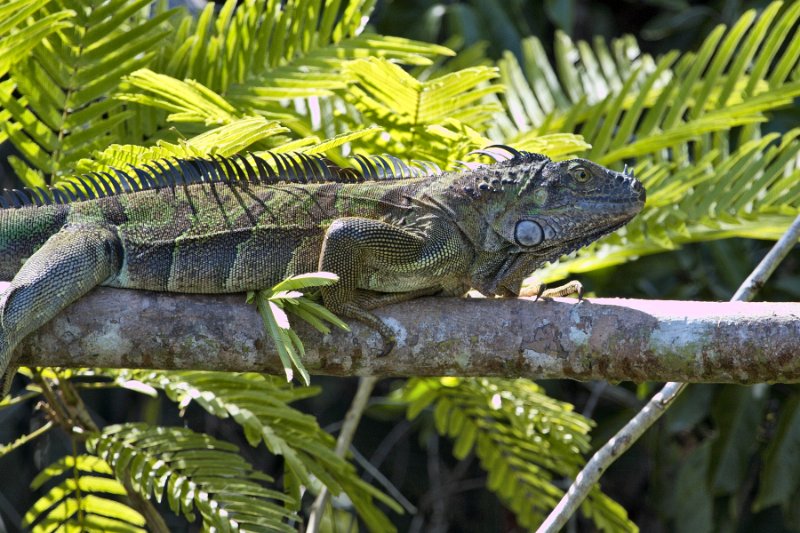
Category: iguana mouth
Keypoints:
(570, 245)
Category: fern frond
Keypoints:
(524, 439)
(260, 405)
(18, 36)
(261, 56)
(196, 473)
(389, 94)
(188, 101)
(409, 109)
(79, 499)
(238, 136)
(268, 50)
(554, 145)
(59, 109)
(634, 109)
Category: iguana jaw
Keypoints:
(560, 210)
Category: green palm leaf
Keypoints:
(197, 474)
(81, 499)
(233, 138)
(57, 97)
(266, 50)
(524, 439)
(21, 28)
(261, 53)
(260, 405)
(424, 119)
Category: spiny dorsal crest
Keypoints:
(238, 169)
(498, 179)
(250, 168)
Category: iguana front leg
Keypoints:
(379, 263)
(67, 266)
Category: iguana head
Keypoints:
(528, 210)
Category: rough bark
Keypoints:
(613, 339)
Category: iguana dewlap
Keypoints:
(229, 225)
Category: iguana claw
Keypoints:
(571, 287)
(388, 346)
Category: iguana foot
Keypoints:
(541, 291)
(366, 300)
(352, 310)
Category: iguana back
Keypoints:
(209, 236)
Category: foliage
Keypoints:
(56, 96)
(272, 306)
(57, 102)
(196, 473)
(79, 498)
(259, 405)
(523, 439)
(89, 85)
(691, 122)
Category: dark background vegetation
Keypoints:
(658, 480)
(661, 480)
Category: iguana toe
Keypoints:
(388, 346)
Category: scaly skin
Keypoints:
(388, 240)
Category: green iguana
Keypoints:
(389, 231)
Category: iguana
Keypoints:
(390, 231)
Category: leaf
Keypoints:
(524, 440)
(201, 474)
(689, 121)
(259, 404)
(17, 40)
(341, 139)
(390, 97)
(60, 108)
(271, 304)
(228, 140)
(778, 481)
(188, 100)
(282, 343)
(302, 281)
(738, 412)
(80, 498)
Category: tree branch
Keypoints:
(659, 403)
(639, 340)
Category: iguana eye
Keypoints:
(580, 174)
(528, 233)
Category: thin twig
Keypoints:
(597, 388)
(767, 266)
(659, 403)
(438, 518)
(371, 471)
(388, 443)
(351, 420)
